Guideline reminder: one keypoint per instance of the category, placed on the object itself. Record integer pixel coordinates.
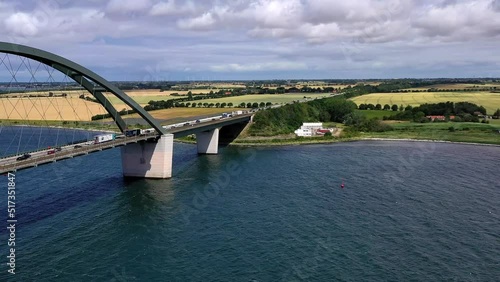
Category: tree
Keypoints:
(387, 107)
(249, 105)
(193, 105)
(262, 104)
(242, 104)
(401, 108)
(394, 108)
(190, 96)
(217, 105)
(378, 107)
(408, 108)
(223, 105)
(268, 104)
(231, 104)
(497, 113)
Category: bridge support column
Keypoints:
(149, 159)
(208, 141)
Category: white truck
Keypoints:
(104, 138)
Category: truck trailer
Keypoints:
(104, 138)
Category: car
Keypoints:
(198, 121)
(58, 149)
(77, 146)
(186, 124)
(51, 151)
(24, 157)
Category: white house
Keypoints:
(309, 128)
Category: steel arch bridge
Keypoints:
(86, 78)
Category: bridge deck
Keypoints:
(67, 152)
(39, 158)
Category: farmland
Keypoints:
(491, 101)
(174, 115)
(273, 98)
(455, 86)
(462, 132)
(45, 108)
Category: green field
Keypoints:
(462, 132)
(491, 101)
(376, 113)
(257, 98)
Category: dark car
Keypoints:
(77, 146)
(24, 157)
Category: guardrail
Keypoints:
(62, 155)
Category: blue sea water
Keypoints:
(409, 211)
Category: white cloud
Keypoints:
(245, 37)
(171, 8)
(21, 24)
(203, 22)
(128, 6)
(269, 66)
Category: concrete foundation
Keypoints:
(149, 159)
(208, 141)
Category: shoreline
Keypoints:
(285, 143)
(355, 139)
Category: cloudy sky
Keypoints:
(263, 39)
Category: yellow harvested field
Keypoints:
(157, 92)
(55, 108)
(491, 101)
(73, 93)
(456, 86)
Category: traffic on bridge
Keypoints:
(111, 140)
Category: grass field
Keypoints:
(273, 98)
(376, 113)
(491, 101)
(463, 132)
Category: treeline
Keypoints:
(288, 118)
(460, 111)
(88, 98)
(389, 86)
(476, 88)
(121, 113)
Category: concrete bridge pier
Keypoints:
(149, 159)
(208, 141)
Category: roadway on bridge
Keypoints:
(69, 151)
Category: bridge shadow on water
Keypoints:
(53, 189)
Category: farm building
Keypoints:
(433, 118)
(311, 129)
